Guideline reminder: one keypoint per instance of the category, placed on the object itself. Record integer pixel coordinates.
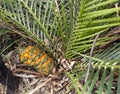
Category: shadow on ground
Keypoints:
(8, 79)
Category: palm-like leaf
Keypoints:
(33, 16)
(94, 18)
(105, 64)
(40, 20)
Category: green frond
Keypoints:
(74, 81)
(104, 65)
(41, 19)
(94, 18)
(3, 31)
(118, 86)
(32, 16)
(73, 25)
(65, 15)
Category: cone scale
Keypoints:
(40, 60)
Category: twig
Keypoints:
(90, 60)
(24, 76)
(34, 82)
(51, 90)
(26, 71)
(116, 6)
(39, 86)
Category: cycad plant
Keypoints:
(70, 29)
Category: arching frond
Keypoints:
(32, 16)
(41, 19)
(105, 65)
(94, 18)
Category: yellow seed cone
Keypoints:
(33, 56)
